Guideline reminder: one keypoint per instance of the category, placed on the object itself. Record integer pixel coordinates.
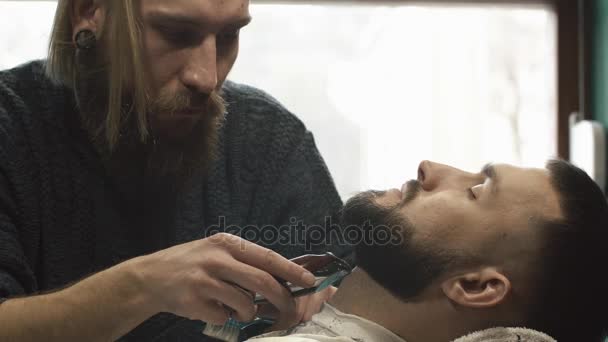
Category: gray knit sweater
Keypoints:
(62, 218)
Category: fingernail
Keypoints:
(308, 278)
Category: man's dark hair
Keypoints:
(571, 301)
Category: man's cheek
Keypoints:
(225, 65)
(165, 69)
(436, 216)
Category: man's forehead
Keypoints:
(507, 169)
(510, 173)
(530, 187)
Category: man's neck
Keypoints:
(426, 319)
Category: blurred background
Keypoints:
(386, 84)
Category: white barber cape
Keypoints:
(332, 325)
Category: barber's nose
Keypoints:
(200, 72)
(435, 176)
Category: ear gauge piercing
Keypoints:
(85, 40)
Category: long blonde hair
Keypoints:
(122, 46)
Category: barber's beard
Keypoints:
(179, 151)
(162, 159)
(405, 269)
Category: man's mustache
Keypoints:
(364, 199)
(413, 189)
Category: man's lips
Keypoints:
(175, 125)
(186, 114)
(397, 192)
(404, 188)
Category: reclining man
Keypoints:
(507, 247)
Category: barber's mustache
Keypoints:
(182, 102)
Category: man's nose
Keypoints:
(200, 72)
(435, 176)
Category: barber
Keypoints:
(120, 151)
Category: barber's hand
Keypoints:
(311, 305)
(197, 280)
(306, 307)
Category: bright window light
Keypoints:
(25, 27)
(384, 87)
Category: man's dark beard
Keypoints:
(404, 269)
(156, 161)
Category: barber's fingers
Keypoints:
(306, 307)
(210, 311)
(268, 261)
(267, 310)
(258, 281)
(311, 305)
(238, 300)
(286, 321)
(312, 262)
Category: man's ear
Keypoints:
(87, 15)
(484, 288)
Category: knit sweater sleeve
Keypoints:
(14, 271)
(293, 191)
(313, 204)
(16, 276)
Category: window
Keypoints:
(385, 86)
(23, 40)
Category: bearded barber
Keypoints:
(120, 151)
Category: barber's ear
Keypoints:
(86, 15)
(484, 288)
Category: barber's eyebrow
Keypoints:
(490, 172)
(167, 19)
